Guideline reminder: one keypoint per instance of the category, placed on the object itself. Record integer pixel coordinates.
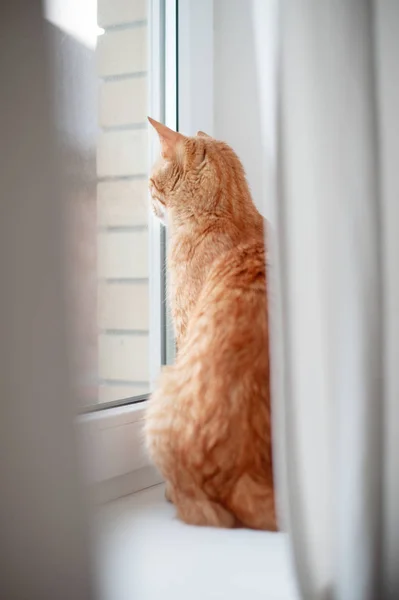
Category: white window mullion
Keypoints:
(163, 107)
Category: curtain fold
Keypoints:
(329, 90)
(45, 544)
(386, 40)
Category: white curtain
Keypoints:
(328, 76)
(44, 536)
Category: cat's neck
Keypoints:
(242, 228)
(196, 243)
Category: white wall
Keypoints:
(78, 18)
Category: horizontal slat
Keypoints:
(123, 358)
(122, 51)
(123, 102)
(115, 12)
(122, 203)
(122, 153)
(123, 306)
(123, 254)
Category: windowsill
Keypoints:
(112, 417)
(113, 453)
(146, 553)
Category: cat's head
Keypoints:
(194, 176)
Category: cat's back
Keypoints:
(243, 267)
(231, 311)
(237, 277)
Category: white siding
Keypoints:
(122, 200)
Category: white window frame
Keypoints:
(116, 463)
(163, 107)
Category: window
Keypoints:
(122, 206)
(118, 60)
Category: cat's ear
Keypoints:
(168, 138)
(202, 134)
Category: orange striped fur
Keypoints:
(208, 422)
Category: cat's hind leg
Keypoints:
(200, 510)
(252, 502)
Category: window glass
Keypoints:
(103, 104)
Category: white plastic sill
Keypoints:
(145, 552)
(114, 458)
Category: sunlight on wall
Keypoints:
(76, 17)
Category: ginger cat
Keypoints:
(208, 423)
